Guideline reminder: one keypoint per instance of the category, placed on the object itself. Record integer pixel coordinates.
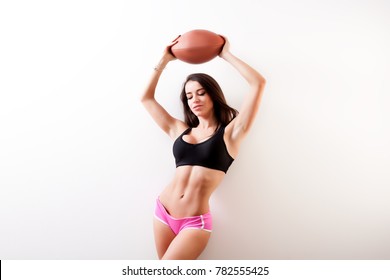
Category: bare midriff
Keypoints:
(189, 192)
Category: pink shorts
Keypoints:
(203, 222)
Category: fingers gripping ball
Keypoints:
(198, 46)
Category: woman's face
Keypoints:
(199, 100)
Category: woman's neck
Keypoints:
(207, 123)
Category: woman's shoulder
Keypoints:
(180, 128)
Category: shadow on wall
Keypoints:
(238, 209)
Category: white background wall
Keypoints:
(81, 162)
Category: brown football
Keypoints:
(198, 46)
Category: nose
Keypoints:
(196, 98)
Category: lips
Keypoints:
(196, 107)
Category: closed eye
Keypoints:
(199, 92)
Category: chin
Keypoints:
(202, 113)
(198, 114)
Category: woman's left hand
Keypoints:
(225, 48)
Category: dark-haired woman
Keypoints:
(205, 145)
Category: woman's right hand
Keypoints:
(168, 55)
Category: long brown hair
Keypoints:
(223, 112)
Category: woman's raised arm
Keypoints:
(240, 126)
(164, 120)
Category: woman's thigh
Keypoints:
(163, 236)
(187, 245)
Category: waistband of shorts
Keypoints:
(205, 215)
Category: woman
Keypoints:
(205, 145)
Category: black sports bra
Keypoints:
(211, 153)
